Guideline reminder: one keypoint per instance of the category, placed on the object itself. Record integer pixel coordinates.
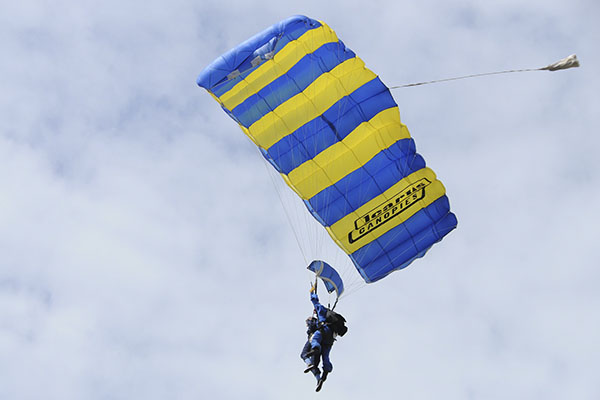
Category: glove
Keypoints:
(313, 289)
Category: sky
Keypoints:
(145, 252)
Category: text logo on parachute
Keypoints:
(387, 210)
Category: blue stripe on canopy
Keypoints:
(309, 68)
(413, 238)
(334, 125)
(360, 186)
(215, 76)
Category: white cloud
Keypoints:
(144, 253)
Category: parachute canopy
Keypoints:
(331, 128)
(329, 276)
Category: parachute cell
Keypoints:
(331, 128)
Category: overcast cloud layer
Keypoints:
(144, 253)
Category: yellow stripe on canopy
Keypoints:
(386, 211)
(281, 63)
(324, 92)
(345, 157)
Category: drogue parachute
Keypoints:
(330, 277)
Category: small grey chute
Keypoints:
(565, 63)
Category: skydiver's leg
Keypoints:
(304, 354)
(315, 351)
(315, 341)
(317, 373)
(321, 381)
(314, 369)
(327, 365)
(311, 360)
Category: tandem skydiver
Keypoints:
(322, 329)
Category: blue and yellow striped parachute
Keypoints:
(331, 128)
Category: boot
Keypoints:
(320, 384)
(321, 381)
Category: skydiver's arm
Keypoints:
(319, 308)
(314, 298)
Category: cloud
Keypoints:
(144, 252)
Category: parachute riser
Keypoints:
(334, 304)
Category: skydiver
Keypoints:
(312, 325)
(320, 341)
